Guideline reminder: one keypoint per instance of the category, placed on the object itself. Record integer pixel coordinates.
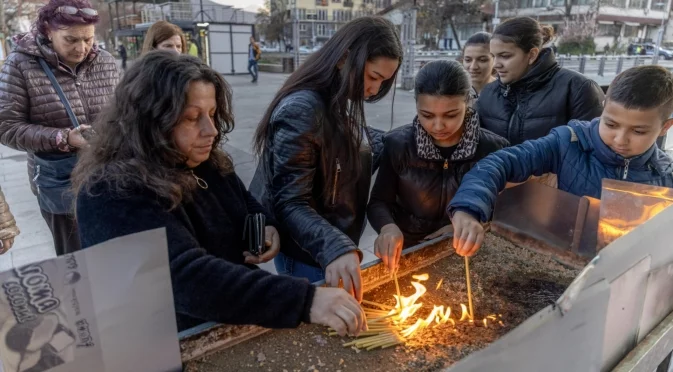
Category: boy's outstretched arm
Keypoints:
(475, 198)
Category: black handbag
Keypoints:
(52, 170)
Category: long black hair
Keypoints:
(525, 32)
(442, 78)
(342, 89)
(134, 144)
(480, 38)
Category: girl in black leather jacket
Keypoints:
(423, 163)
(533, 93)
(317, 156)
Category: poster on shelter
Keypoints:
(106, 308)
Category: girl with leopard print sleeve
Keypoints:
(423, 163)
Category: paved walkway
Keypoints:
(34, 243)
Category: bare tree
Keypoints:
(16, 11)
(436, 16)
(104, 27)
(579, 31)
(273, 19)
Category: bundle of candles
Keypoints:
(381, 331)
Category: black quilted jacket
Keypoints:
(415, 182)
(547, 97)
(315, 228)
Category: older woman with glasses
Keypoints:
(52, 86)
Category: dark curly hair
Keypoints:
(48, 17)
(134, 147)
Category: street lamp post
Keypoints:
(295, 34)
(496, 18)
(660, 36)
(408, 41)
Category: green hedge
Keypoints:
(576, 47)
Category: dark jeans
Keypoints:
(288, 266)
(123, 63)
(64, 231)
(252, 69)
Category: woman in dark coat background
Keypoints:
(478, 62)
(156, 162)
(423, 163)
(533, 93)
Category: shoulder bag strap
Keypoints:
(59, 91)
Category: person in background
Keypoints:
(122, 55)
(620, 144)
(164, 35)
(156, 163)
(193, 48)
(423, 163)
(478, 61)
(254, 54)
(533, 94)
(34, 119)
(8, 228)
(317, 155)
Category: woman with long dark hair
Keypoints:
(157, 162)
(423, 163)
(315, 151)
(534, 94)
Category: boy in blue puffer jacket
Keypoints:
(618, 145)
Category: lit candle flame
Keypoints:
(407, 307)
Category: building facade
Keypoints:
(320, 19)
(618, 22)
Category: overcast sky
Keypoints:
(251, 5)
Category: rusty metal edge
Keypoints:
(650, 352)
(522, 240)
(374, 274)
(245, 333)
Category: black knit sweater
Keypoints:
(205, 246)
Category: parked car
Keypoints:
(666, 53)
(647, 49)
(305, 49)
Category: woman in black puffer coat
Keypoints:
(423, 163)
(533, 94)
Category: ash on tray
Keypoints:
(506, 280)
